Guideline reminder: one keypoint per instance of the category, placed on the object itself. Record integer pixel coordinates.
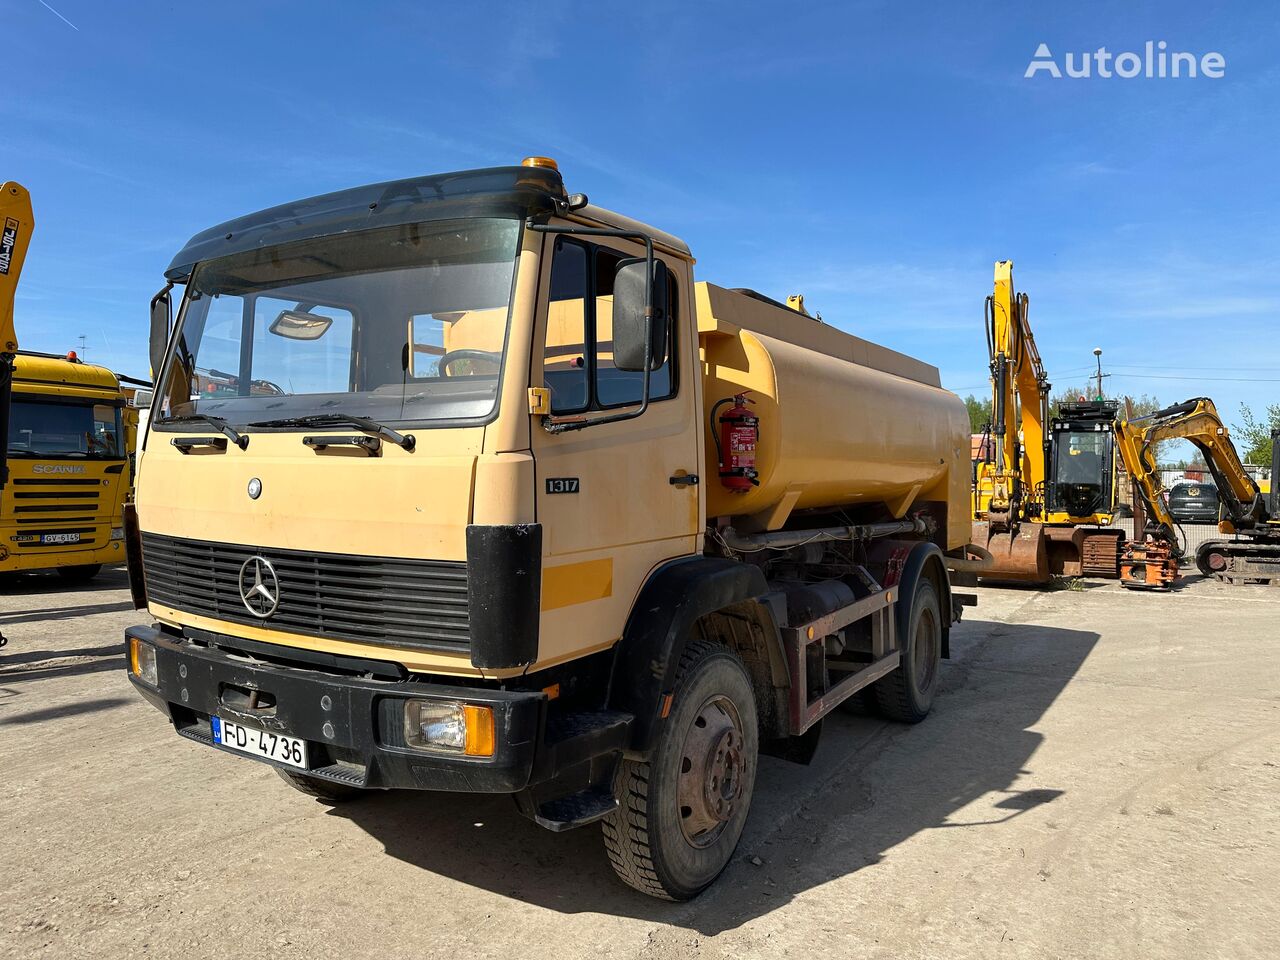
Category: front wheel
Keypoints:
(80, 574)
(906, 695)
(681, 813)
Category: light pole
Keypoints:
(1097, 352)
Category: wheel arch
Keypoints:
(922, 559)
(682, 599)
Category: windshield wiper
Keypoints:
(406, 440)
(218, 423)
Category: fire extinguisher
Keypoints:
(736, 436)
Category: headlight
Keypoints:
(117, 533)
(142, 661)
(450, 726)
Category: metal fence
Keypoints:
(1190, 535)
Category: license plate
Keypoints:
(59, 538)
(260, 743)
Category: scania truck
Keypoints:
(462, 483)
(64, 470)
(69, 472)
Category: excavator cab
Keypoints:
(1082, 466)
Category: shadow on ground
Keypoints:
(874, 781)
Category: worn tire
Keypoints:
(81, 574)
(907, 694)
(645, 837)
(323, 790)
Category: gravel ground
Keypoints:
(1098, 779)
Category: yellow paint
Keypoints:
(1024, 395)
(572, 583)
(842, 421)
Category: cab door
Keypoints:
(617, 499)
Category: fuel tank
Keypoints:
(843, 421)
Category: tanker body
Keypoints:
(496, 498)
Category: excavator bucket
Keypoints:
(1037, 552)
(1019, 556)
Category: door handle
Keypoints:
(684, 480)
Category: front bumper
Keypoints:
(354, 726)
(50, 558)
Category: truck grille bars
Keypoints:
(383, 600)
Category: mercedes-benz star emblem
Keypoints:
(259, 587)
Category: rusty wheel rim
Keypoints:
(712, 772)
(925, 651)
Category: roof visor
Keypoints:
(516, 192)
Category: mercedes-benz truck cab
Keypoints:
(431, 499)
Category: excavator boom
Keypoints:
(1037, 495)
(16, 223)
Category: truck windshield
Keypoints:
(44, 429)
(405, 324)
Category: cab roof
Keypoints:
(490, 192)
(493, 191)
(43, 373)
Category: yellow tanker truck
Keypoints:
(463, 483)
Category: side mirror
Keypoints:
(161, 314)
(630, 351)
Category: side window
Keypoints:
(578, 353)
(565, 353)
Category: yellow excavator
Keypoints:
(1251, 518)
(1045, 490)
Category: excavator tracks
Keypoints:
(1240, 561)
(1100, 553)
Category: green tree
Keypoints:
(1142, 404)
(1253, 436)
(979, 413)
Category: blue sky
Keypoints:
(877, 157)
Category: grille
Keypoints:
(385, 600)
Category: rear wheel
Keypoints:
(907, 694)
(681, 814)
(81, 574)
(323, 790)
